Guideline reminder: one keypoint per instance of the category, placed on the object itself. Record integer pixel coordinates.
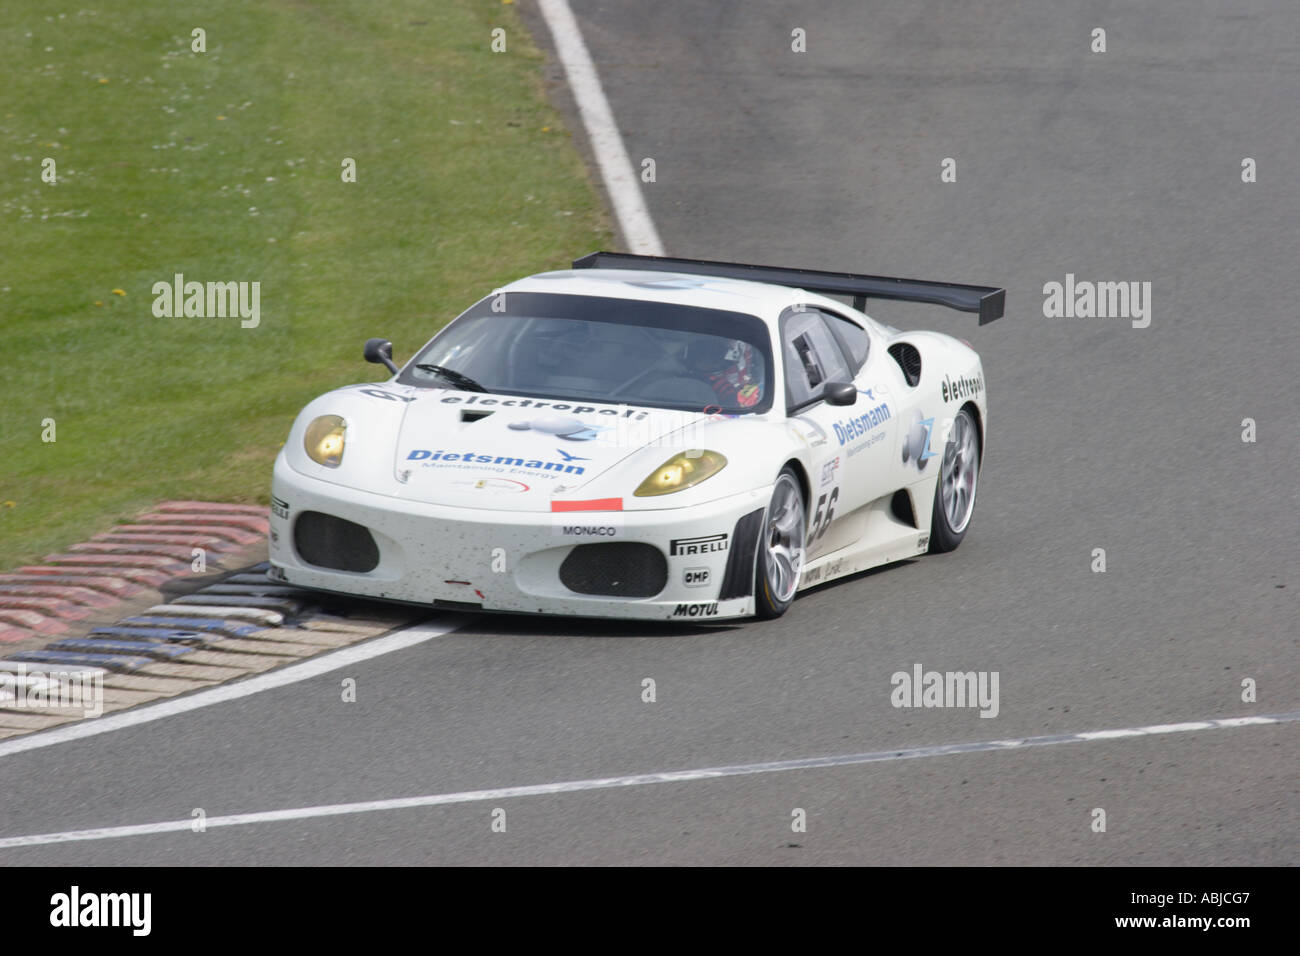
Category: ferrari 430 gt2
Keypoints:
(641, 437)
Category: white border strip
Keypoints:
(611, 156)
(306, 670)
(636, 780)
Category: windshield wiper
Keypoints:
(462, 382)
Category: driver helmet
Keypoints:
(729, 367)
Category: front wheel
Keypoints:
(954, 493)
(781, 548)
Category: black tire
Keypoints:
(787, 530)
(961, 452)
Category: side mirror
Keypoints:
(380, 351)
(840, 393)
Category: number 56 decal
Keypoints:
(821, 522)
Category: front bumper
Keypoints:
(478, 558)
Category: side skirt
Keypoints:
(884, 538)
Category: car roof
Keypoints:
(711, 292)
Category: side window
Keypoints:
(852, 337)
(812, 357)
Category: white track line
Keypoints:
(636, 780)
(616, 169)
(306, 670)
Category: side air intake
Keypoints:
(909, 360)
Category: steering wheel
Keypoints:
(544, 345)
(658, 366)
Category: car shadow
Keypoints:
(526, 625)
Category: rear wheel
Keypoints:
(954, 493)
(781, 548)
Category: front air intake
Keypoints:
(617, 569)
(330, 542)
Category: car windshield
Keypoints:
(603, 349)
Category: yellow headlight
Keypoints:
(681, 471)
(324, 439)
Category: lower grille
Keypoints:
(622, 569)
(330, 542)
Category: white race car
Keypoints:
(641, 437)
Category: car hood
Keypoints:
(510, 453)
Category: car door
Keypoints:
(852, 469)
(813, 358)
(915, 444)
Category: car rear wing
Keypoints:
(987, 301)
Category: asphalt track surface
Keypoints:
(1117, 166)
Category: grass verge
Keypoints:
(226, 165)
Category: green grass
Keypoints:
(225, 166)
